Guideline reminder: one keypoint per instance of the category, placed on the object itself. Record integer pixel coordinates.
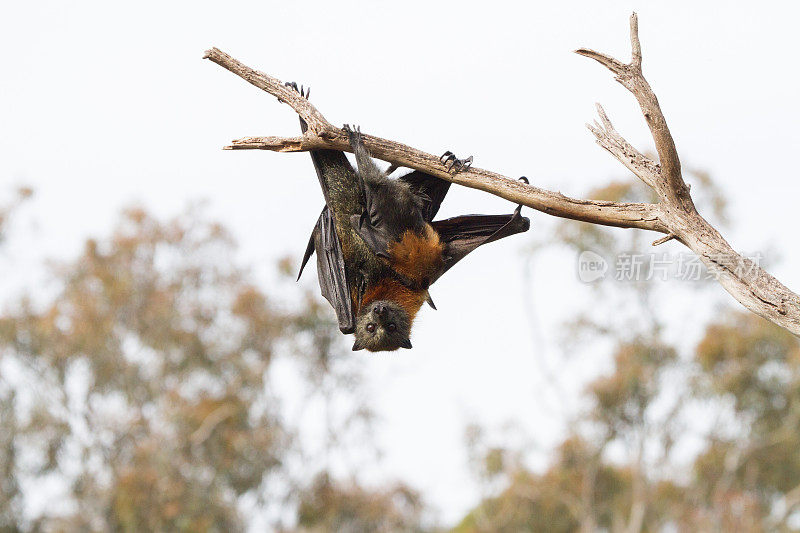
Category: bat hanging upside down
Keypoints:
(378, 247)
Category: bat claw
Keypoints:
(353, 134)
(429, 300)
(453, 164)
(305, 92)
(524, 180)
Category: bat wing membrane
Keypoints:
(461, 235)
(431, 189)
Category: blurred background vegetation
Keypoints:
(144, 392)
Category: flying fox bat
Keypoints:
(378, 247)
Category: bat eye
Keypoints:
(391, 327)
(371, 327)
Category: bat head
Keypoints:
(383, 326)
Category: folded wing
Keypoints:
(331, 272)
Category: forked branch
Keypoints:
(675, 215)
(630, 76)
(746, 281)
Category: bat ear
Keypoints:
(357, 346)
(406, 344)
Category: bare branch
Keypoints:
(662, 240)
(617, 67)
(645, 168)
(326, 136)
(279, 144)
(636, 46)
(316, 122)
(742, 278)
(675, 215)
(630, 76)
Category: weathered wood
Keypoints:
(675, 214)
(751, 285)
(321, 134)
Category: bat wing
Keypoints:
(329, 164)
(335, 173)
(331, 271)
(463, 234)
(373, 232)
(431, 189)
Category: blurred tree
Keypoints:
(583, 490)
(555, 500)
(749, 474)
(349, 508)
(617, 470)
(140, 399)
(10, 490)
(7, 211)
(627, 309)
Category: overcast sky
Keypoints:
(104, 104)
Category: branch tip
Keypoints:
(664, 239)
(609, 62)
(636, 46)
(604, 117)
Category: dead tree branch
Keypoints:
(741, 277)
(675, 215)
(322, 134)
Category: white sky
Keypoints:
(103, 105)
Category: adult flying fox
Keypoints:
(378, 247)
